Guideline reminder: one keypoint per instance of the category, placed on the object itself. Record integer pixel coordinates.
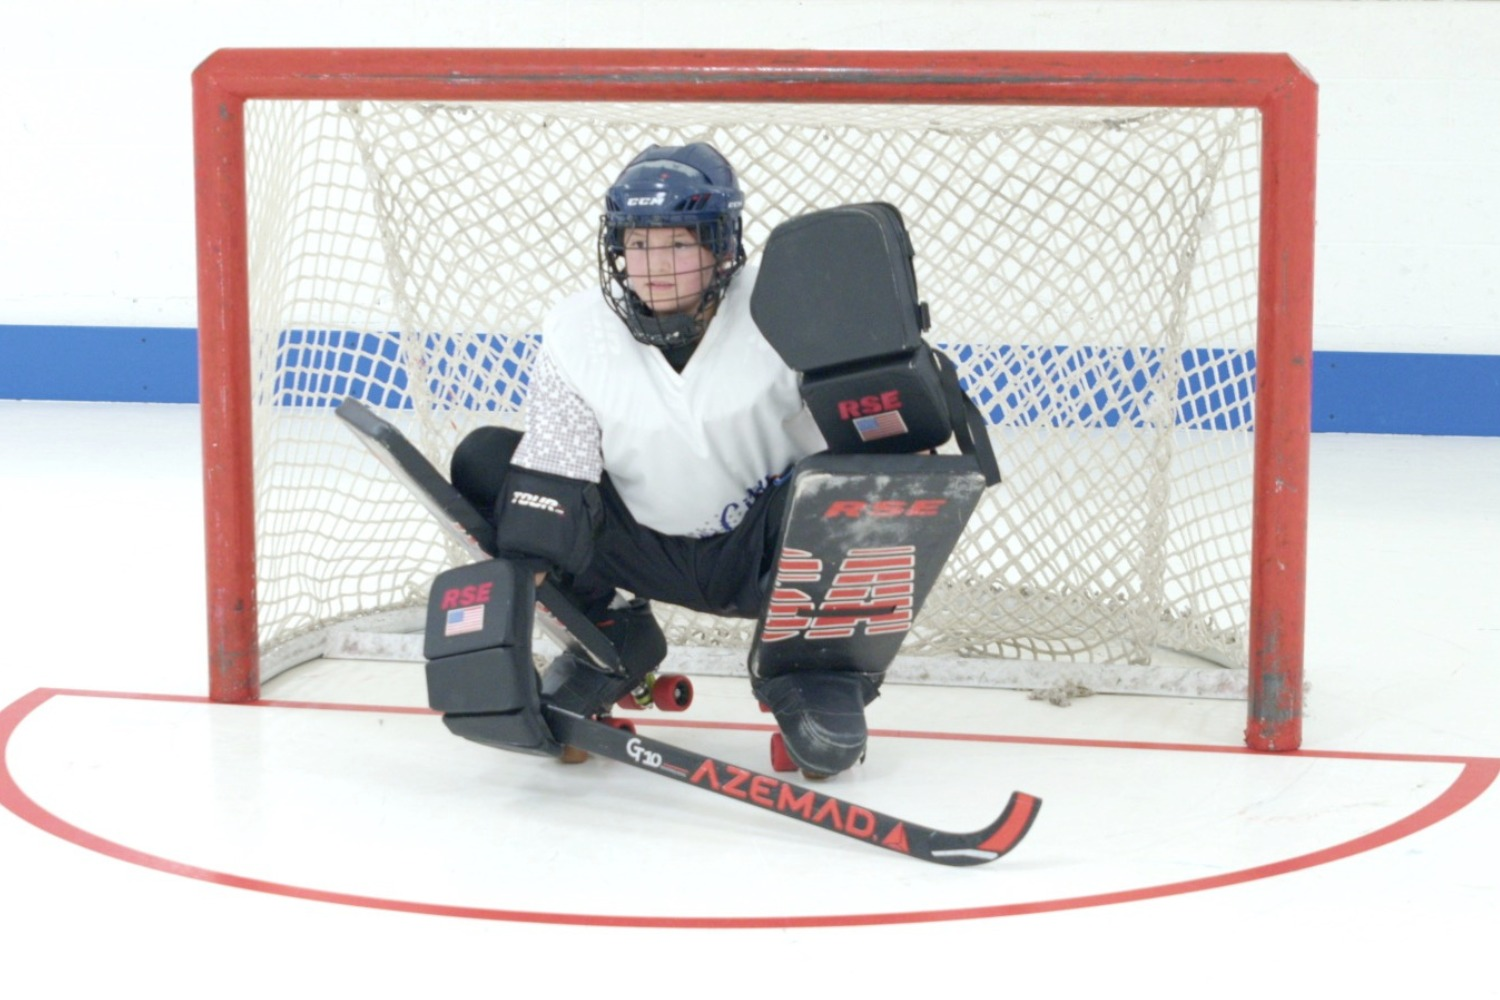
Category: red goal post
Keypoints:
(886, 99)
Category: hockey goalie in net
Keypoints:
(668, 423)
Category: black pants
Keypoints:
(727, 575)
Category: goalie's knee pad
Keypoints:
(478, 651)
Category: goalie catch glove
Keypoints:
(547, 520)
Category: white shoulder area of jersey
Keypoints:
(583, 325)
(741, 286)
(582, 333)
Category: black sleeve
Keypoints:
(547, 519)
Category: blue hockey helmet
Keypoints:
(692, 187)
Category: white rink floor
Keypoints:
(347, 846)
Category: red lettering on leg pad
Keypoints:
(845, 508)
(884, 508)
(873, 589)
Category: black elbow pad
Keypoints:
(549, 518)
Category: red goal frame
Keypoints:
(1275, 85)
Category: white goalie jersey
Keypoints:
(688, 452)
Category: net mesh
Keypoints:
(1092, 271)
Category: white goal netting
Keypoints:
(1092, 271)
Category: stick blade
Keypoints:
(983, 846)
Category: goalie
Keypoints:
(664, 426)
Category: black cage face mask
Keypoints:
(660, 328)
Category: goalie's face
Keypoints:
(668, 268)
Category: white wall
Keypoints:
(96, 182)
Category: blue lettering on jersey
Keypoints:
(734, 512)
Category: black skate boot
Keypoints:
(821, 714)
(577, 686)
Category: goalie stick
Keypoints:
(562, 622)
(572, 630)
(797, 802)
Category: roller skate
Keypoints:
(576, 686)
(821, 717)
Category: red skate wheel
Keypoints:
(630, 704)
(624, 724)
(672, 693)
(781, 761)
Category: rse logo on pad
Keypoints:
(464, 609)
(874, 417)
(455, 597)
(850, 409)
(885, 508)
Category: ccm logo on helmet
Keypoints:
(656, 199)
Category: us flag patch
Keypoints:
(881, 425)
(463, 620)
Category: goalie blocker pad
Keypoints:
(836, 287)
(478, 651)
(836, 298)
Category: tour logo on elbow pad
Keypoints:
(547, 517)
(536, 501)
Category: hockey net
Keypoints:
(1094, 271)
